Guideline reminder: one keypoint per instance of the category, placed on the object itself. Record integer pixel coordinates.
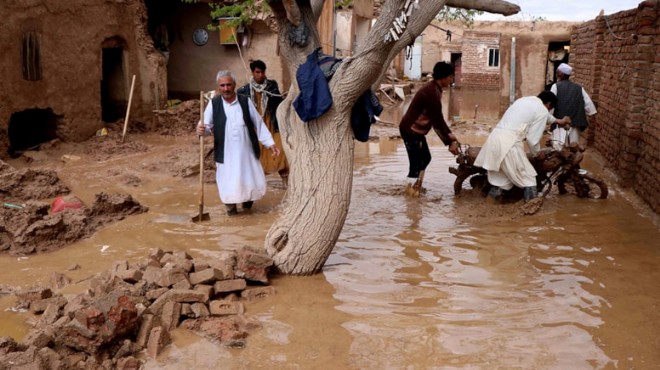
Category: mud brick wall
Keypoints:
(475, 69)
(617, 59)
(71, 36)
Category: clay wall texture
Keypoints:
(192, 67)
(532, 41)
(617, 60)
(71, 35)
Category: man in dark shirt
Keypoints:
(424, 113)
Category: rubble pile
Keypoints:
(178, 120)
(31, 227)
(134, 306)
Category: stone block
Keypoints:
(40, 305)
(254, 264)
(149, 321)
(177, 295)
(158, 338)
(224, 308)
(199, 310)
(183, 284)
(257, 293)
(156, 254)
(206, 289)
(25, 297)
(132, 275)
(170, 315)
(155, 293)
(210, 275)
(226, 286)
(50, 315)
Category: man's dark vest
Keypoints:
(570, 102)
(219, 123)
(274, 100)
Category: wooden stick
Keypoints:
(128, 109)
(201, 157)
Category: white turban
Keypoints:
(565, 69)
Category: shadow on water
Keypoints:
(428, 282)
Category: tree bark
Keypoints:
(490, 6)
(320, 152)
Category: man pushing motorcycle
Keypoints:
(503, 154)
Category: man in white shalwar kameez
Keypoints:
(503, 154)
(237, 128)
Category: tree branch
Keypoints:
(376, 48)
(292, 12)
(490, 6)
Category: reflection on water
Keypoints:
(457, 105)
(472, 105)
(412, 283)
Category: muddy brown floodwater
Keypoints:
(438, 282)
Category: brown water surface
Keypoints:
(413, 283)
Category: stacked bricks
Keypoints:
(475, 69)
(617, 58)
(134, 306)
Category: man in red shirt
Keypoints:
(424, 113)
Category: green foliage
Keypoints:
(465, 16)
(343, 3)
(240, 12)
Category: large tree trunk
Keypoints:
(320, 152)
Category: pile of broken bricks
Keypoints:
(133, 307)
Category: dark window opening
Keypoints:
(30, 128)
(31, 56)
(113, 89)
(493, 57)
(457, 62)
(558, 52)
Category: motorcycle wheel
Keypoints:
(461, 176)
(584, 186)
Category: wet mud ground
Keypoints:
(437, 281)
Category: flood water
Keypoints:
(413, 283)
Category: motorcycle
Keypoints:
(559, 167)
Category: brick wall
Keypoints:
(475, 69)
(617, 59)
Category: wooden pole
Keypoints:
(201, 157)
(128, 109)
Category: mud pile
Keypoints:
(134, 306)
(102, 148)
(178, 120)
(27, 224)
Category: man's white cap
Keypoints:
(565, 69)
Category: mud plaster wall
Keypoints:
(532, 39)
(619, 66)
(72, 33)
(192, 67)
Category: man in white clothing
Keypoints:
(237, 129)
(572, 101)
(503, 154)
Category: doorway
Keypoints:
(558, 53)
(113, 87)
(456, 61)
